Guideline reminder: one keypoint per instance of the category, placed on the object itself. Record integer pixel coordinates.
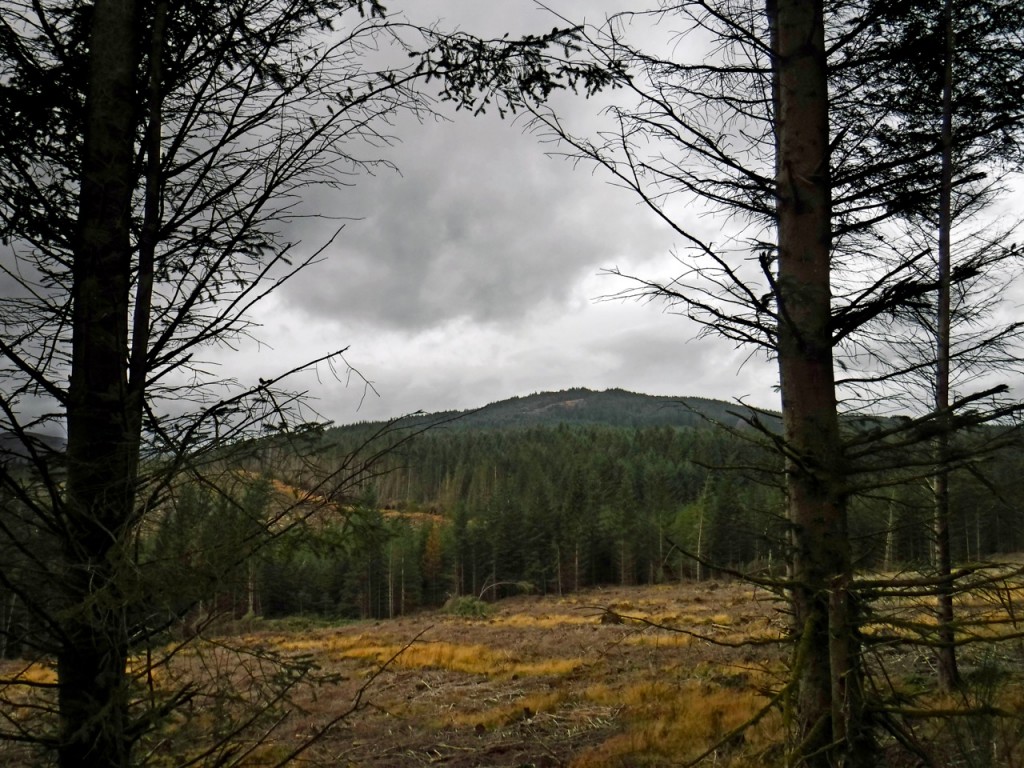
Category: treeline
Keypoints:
(581, 406)
(494, 511)
(487, 512)
(567, 507)
(558, 508)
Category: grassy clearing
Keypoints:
(661, 640)
(543, 621)
(666, 723)
(36, 673)
(551, 681)
(518, 708)
(469, 659)
(559, 664)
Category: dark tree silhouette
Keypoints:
(154, 157)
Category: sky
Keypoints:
(475, 272)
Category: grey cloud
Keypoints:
(667, 358)
(469, 278)
(480, 224)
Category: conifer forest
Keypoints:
(199, 568)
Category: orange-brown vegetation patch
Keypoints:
(548, 681)
(417, 518)
(609, 678)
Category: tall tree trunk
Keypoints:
(700, 540)
(890, 536)
(576, 567)
(561, 575)
(250, 588)
(948, 673)
(391, 580)
(10, 605)
(828, 695)
(102, 448)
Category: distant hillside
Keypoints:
(13, 448)
(612, 407)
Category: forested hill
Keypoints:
(553, 492)
(611, 407)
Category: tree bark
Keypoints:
(948, 673)
(828, 707)
(100, 490)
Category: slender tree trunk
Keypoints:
(251, 603)
(558, 570)
(391, 581)
(949, 675)
(102, 420)
(622, 562)
(576, 567)
(890, 537)
(700, 543)
(828, 695)
(473, 574)
(8, 621)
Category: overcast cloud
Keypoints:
(473, 274)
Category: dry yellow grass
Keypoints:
(39, 674)
(665, 722)
(518, 708)
(661, 639)
(473, 659)
(663, 710)
(546, 621)
(545, 674)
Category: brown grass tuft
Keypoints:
(665, 722)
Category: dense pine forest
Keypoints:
(544, 494)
